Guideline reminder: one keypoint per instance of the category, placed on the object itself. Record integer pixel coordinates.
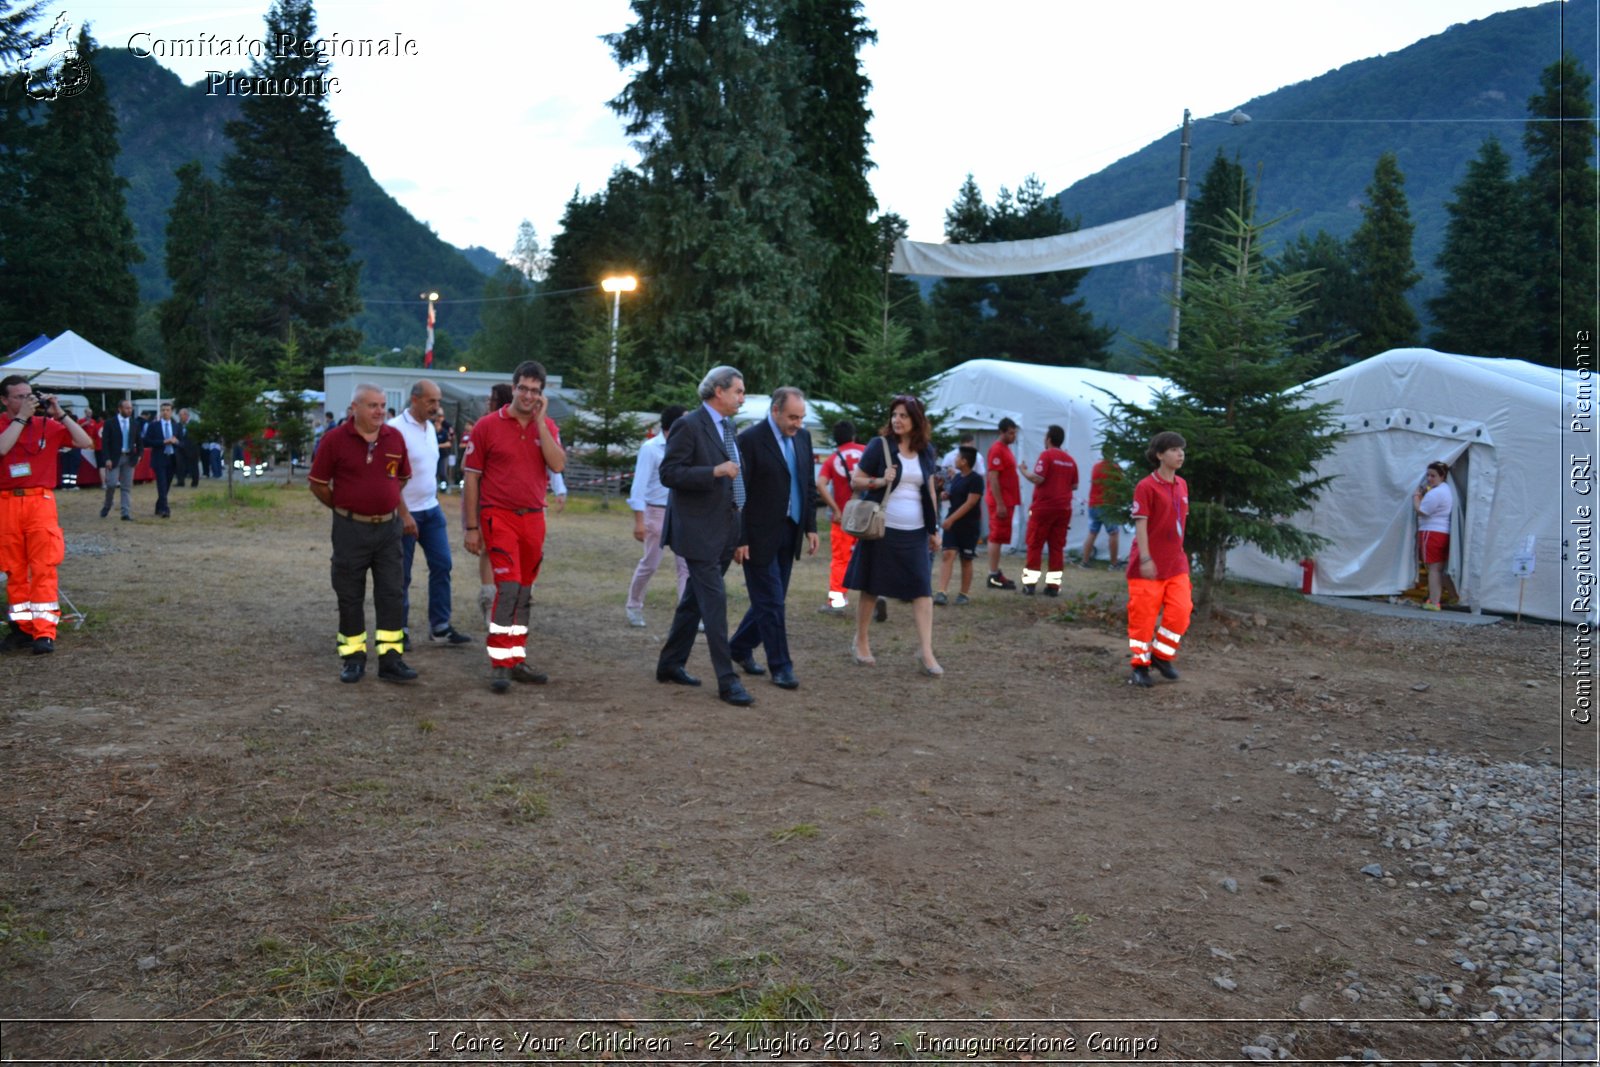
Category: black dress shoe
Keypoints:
(1164, 668)
(353, 668)
(43, 646)
(785, 679)
(750, 666)
(737, 695)
(527, 675)
(676, 675)
(391, 668)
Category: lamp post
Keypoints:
(616, 285)
(1238, 118)
(433, 298)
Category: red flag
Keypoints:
(427, 357)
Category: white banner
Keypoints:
(1154, 233)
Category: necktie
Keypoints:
(794, 480)
(166, 432)
(733, 453)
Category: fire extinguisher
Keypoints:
(1308, 567)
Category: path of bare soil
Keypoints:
(205, 836)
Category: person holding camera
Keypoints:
(31, 544)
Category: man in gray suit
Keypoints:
(703, 527)
(119, 455)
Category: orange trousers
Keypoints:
(31, 548)
(1148, 598)
(840, 545)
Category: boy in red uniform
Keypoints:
(31, 545)
(1158, 567)
(1105, 472)
(507, 467)
(1056, 476)
(1005, 494)
(833, 486)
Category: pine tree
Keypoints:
(958, 304)
(1327, 328)
(190, 326)
(291, 375)
(1253, 439)
(1560, 199)
(1381, 252)
(284, 201)
(725, 201)
(601, 235)
(829, 127)
(512, 315)
(1224, 188)
(233, 406)
(1484, 309)
(70, 265)
(899, 298)
(610, 390)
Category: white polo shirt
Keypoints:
(422, 446)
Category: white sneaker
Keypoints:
(635, 616)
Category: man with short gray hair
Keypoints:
(421, 495)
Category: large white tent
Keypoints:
(70, 362)
(1499, 423)
(976, 395)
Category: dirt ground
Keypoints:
(213, 850)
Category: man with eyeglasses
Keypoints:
(358, 473)
(506, 471)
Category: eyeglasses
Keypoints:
(530, 390)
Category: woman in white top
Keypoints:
(1434, 502)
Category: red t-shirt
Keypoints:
(366, 478)
(508, 456)
(838, 468)
(1164, 507)
(1105, 472)
(1004, 464)
(31, 463)
(1060, 474)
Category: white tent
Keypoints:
(1497, 422)
(74, 363)
(975, 396)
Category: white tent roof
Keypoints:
(76, 364)
(977, 394)
(1499, 424)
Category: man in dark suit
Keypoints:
(164, 438)
(779, 515)
(702, 526)
(189, 454)
(119, 455)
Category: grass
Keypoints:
(801, 831)
(244, 496)
(298, 976)
(517, 802)
(748, 1003)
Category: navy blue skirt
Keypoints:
(896, 566)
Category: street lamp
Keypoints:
(1238, 118)
(433, 298)
(616, 285)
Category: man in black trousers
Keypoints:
(702, 525)
(779, 515)
(163, 436)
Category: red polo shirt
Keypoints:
(507, 455)
(366, 478)
(1165, 507)
(1003, 464)
(1060, 474)
(31, 463)
(1103, 474)
(839, 465)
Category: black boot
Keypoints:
(391, 668)
(1165, 668)
(1141, 678)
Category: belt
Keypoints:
(32, 490)
(517, 511)
(373, 519)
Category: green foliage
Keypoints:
(1326, 329)
(725, 215)
(233, 406)
(1560, 197)
(1253, 439)
(190, 329)
(884, 365)
(290, 412)
(1380, 250)
(514, 319)
(284, 201)
(600, 236)
(1484, 309)
(1032, 317)
(1224, 188)
(608, 395)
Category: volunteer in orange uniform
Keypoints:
(1055, 478)
(1003, 498)
(1158, 567)
(508, 466)
(358, 471)
(833, 485)
(31, 545)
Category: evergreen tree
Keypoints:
(69, 263)
(512, 314)
(284, 199)
(1028, 317)
(1381, 251)
(601, 235)
(899, 299)
(725, 217)
(233, 406)
(1224, 188)
(291, 375)
(1326, 329)
(1560, 198)
(190, 327)
(1484, 309)
(609, 390)
(1253, 438)
(885, 364)
(830, 136)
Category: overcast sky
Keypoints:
(501, 113)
